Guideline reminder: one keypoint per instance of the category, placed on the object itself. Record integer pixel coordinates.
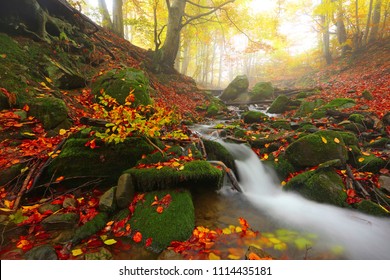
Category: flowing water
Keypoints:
(362, 236)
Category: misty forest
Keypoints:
(194, 129)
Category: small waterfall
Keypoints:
(362, 236)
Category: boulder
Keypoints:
(254, 117)
(50, 111)
(63, 76)
(239, 85)
(107, 202)
(91, 227)
(175, 222)
(371, 208)
(42, 252)
(60, 221)
(195, 174)
(262, 91)
(316, 148)
(384, 182)
(324, 186)
(107, 161)
(124, 191)
(118, 83)
(216, 151)
(279, 105)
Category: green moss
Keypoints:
(367, 95)
(50, 111)
(239, 133)
(311, 150)
(262, 91)
(280, 105)
(90, 228)
(369, 163)
(281, 124)
(282, 167)
(175, 223)
(357, 118)
(349, 138)
(239, 85)
(212, 110)
(339, 103)
(324, 186)
(215, 151)
(354, 127)
(8, 174)
(119, 82)
(371, 208)
(307, 108)
(107, 161)
(254, 117)
(380, 143)
(195, 174)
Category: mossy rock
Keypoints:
(175, 223)
(64, 76)
(339, 103)
(108, 161)
(353, 127)
(239, 85)
(281, 124)
(306, 108)
(216, 151)
(324, 186)
(196, 174)
(369, 163)
(262, 91)
(50, 111)
(212, 110)
(60, 221)
(90, 228)
(279, 105)
(282, 167)
(379, 143)
(10, 173)
(311, 150)
(349, 138)
(371, 208)
(367, 95)
(318, 114)
(118, 83)
(357, 118)
(254, 117)
(307, 127)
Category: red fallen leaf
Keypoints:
(137, 238)
(351, 193)
(384, 171)
(244, 224)
(148, 242)
(160, 209)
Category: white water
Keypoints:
(362, 236)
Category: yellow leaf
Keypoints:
(274, 240)
(266, 145)
(226, 231)
(213, 256)
(77, 252)
(8, 203)
(159, 167)
(5, 210)
(238, 229)
(336, 140)
(48, 80)
(103, 237)
(283, 183)
(175, 164)
(234, 257)
(62, 131)
(361, 159)
(324, 140)
(365, 154)
(265, 156)
(110, 241)
(181, 167)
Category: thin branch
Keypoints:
(195, 17)
(198, 5)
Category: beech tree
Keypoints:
(164, 58)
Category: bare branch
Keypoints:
(168, 4)
(198, 5)
(195, 17)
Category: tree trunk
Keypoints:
(106, 20)
(368, 23)
(171, 44)
(117, 15)
(326, 40)
(186, 58)
(376, 18)
(341, 31)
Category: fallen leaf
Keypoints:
(110, 241)
(361, 159)
(160, 209)
(137, 238)
(336, 140)
(324, 140)
(77, 252)
(213, 256)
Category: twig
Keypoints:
(357, 184)
(229, 173)
(154, 145)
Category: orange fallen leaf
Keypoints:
(336, 140)
(160, 209)
(137, 238)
